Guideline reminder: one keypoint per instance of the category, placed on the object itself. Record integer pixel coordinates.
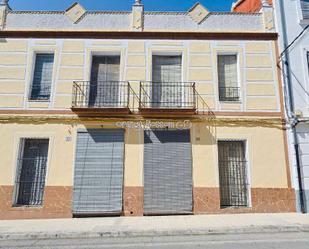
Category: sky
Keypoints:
(150, 5)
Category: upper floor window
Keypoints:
(228, 78)
(305, 8)
(167, 88)
(42, 77)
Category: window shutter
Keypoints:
(227, 70)
(228, 79)
(104, 87)
(42, 77)
(166, 81)
(305, 8)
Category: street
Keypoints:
(240, 241)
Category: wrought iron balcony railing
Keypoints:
(167, 95)
(229, 93)
(101, 94)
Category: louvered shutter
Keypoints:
(98, 175)
(104, 87)
(42, 77)
(305, 8)
(167, 81)
(167, 172)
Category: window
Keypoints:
(232, 174)
(308, 60)
(104, 85)
(305, 8)
(31, 172)
(167, 86)
(228, 79)
(42, 77)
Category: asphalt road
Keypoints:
(242, 241)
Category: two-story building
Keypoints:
(292, 19)
(140, 113)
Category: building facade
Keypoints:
(292, 20)
(140, 113)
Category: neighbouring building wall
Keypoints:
(251, 6)
(294, 21)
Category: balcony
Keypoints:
(101, 97)
(230, 94)
(167, 98)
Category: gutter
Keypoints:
(289, 99)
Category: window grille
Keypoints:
(232, 174)
(42, 77)
(228, 79)
(32, 164)
(305, 8)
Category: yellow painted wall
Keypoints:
(257, 69)
(266, 170)
(60, 162)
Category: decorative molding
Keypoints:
(138, 17)
(75, 12)
(198, 13)
(257, 36)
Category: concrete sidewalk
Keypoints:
(154, 226)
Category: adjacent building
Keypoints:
(292, 19)
(140, 113)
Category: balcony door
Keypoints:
(167, 86)
(104, 86)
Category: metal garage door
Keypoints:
(167, 172)
(98, 177)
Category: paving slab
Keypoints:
(154, 226)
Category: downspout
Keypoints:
(291, 116)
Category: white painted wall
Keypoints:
(300, 81)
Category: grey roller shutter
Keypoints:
(98, 177)
(305, 8)
(42, 77)
(167, 172)
(104, 87)
(167, 81)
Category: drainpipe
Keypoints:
(289, 99)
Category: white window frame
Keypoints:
(299, 10)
